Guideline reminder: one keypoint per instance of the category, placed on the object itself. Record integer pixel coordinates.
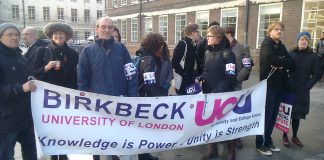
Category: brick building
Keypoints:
(249, 17)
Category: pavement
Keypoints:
(311, 133)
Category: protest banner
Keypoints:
(69, 121)
(284, 115)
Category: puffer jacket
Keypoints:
(274, 54)
(15, 110)
(101, 69)
(215, 77)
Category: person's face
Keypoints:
(276, 33)
(116, 36)
(59, 37)
(212, 39)
(29, 36)
(302, 43)
(322, 35)
(105, 28)
(195, 35)
(10, 38)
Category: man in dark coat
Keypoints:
(31, 41)
(16, 123)
(274, 62)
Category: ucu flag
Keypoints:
(193, 88)
(239, 106)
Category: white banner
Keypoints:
(74, 122)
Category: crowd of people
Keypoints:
(217, 63)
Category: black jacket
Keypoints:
(67, 75)
(31, 52)
(162, 71)
(215, 77)
(276, 55)
(15, 111)
(188, 72)
(306, 73)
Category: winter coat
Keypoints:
(15, 110)
(306, 73)
(216, 77)
(276, 55)
(31, 52)
(101, 69)
(163, 74)
(241, 51)
(188, 72)
(66, 76)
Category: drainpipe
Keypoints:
(246, 27)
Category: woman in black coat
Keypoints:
(56, 63)
(306, 73)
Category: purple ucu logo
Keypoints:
(239, 106)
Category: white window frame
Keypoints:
(114, 3)
(161, 32)
(60, 13)
(86, 34)
(74, 15)
(134, 1)
(257, 45)
(15, 11)
(223, 25)
(46, 13)
(200, 25)
(86, 16)
(99, 1)
(31, 13)
(123, 30)
(176, 38)
(148, 27)
(134, 30)
(99, 11)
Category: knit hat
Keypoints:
(5, 26)
(304, 33)
(50, 28)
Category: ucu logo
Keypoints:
(191, 90)
(221, 109)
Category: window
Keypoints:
(313, 20)
(99, 14)
(74, 15)
(75, 35)
(229, 18)
(86, 35)
(15, 11)
(123, 30)
(267, 14)
(115, 22)
(86, 1)
(202, 19)
(99, 1)
(123, 2)
(60, 13)
(134, 28)
(86, 15)
(73, 0)
(46, 13)
(148, 25)
(114, 3)
(31, 12)
(163, 27)
(180, 24)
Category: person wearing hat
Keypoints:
(16, 124)
(56, 63)
(306, 73)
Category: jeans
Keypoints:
(28, 145)
(271, 111)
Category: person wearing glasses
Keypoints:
(105, 67)
(16, 123)
(274, 58)
(219, 75)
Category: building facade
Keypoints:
(80, 14)
(249, 17)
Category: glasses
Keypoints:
(106, 27)
(278, 29)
